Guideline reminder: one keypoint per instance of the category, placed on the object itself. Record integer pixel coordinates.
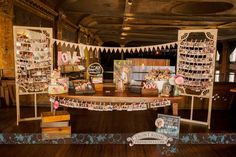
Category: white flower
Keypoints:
(159, 123)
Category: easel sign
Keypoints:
(95, 72)
(168, 125)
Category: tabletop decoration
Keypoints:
(159, 77)
(55, 107)
(122, 71)
(174, 81)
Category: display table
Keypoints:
(7, 91)
(126, 99)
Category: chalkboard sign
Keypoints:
(95, 69)
(168, 125)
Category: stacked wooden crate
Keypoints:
(55, 125)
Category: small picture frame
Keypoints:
(166, 90)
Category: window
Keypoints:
(232, 57)
(231, 76)
(217, 76)
(217, 56)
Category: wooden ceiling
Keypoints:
(149, 21)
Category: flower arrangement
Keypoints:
(158, 75)
(55, 106)
(176, 80)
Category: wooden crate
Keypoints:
(59, 116)
(56, 133)
(57, 130)
(150, 92)
(98, 87)
(55, 126)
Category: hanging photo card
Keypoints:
(168, 125)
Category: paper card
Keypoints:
(168, 125)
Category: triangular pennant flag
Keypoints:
(102, 49)
(81, 51)
(96, 48)
(168, 46)
(139, 49)
(124, 50)
(92, 47)
(112, 49)
(115, 50)
(133, 50)
(165, 46)
(130, 50)
(58, 42)
(142, 49)
(53, 41)
(89, 47)
(153, 48)
(77, 46)
(63, 43)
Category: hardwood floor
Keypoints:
(84, 121)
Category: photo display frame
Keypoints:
(196, 64)
(33, 59)
(196, 61)
(33, 64)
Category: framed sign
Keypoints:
(168, 125)
(95, 69)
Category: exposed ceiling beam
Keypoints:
(215, 18)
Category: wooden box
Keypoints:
(150, 92)
(55, 126)
(59, 116)
(57, 130)
(55, 133)
(98, 87)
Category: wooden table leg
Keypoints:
(175, 109)
(11, 92)
(6, 94)
(166, 109)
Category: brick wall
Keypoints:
(6, 46)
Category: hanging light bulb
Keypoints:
(130, 2)
(126, 28)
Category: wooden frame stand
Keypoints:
(196, 64)
(33, 64)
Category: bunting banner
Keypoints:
(114, 49)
